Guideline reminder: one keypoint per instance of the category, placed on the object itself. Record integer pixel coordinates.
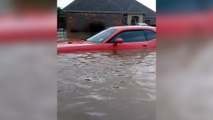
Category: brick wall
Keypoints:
(91, 22)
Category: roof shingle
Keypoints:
(123, 6)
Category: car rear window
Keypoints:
(150, 34)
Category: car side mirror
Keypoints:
(118, 40)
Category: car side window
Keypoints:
(130, 36)
(150, 34)
(114, 38)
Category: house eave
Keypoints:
(103, 12)
(149, 16)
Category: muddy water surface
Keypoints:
(114, 85)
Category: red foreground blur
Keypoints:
(28, 26)
(197, 23)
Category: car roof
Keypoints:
(141, 24)
(132, 27)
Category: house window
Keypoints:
(124, 19)
(134, 20)
(147, 21)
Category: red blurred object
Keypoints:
(28, 26)
(189, 23)
(118, 44)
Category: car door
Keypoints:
(132, 39)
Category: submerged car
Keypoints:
(113, 38)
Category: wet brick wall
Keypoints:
(91, 22)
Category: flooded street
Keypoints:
(63, 36)
(112, 85)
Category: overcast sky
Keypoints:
(149, 3)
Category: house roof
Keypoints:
(138, 7)
(121, 6)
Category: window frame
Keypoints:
(110, 40)
(101, 32)
(146, 35)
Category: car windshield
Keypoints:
(101, 36)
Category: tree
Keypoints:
(61, 18)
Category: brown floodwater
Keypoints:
(62, 36)
(110, 85)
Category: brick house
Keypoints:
(150, 18)
(95, 15)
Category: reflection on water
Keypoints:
(114, 85)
